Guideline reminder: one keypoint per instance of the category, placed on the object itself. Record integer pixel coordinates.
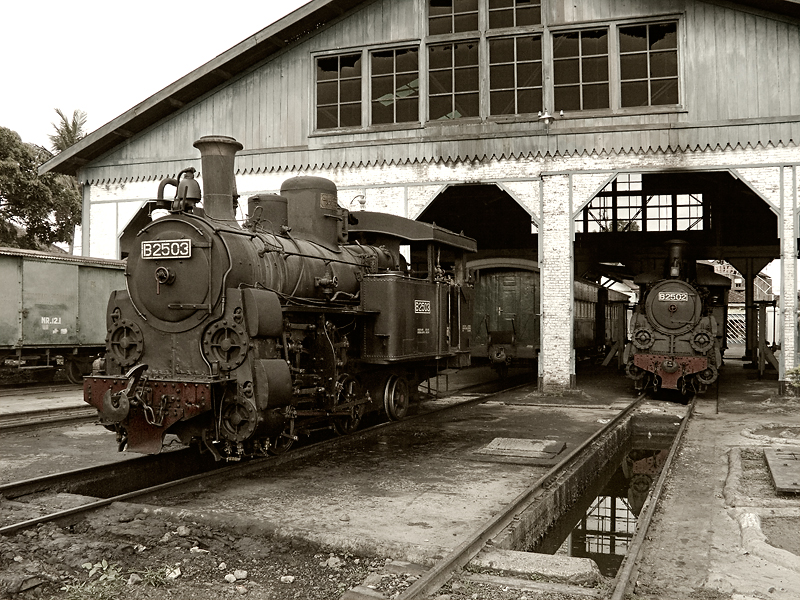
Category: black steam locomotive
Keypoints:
(240, 338)
(678, 327)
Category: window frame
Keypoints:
(484, 36)
(679, 63)
(366, 89)
(610, 49)
(453, 69)
(370, 100)
(515, 36)
(666, 204)
(316, 106)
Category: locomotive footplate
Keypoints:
(670, 368)
(149, 409)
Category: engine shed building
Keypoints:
(582, 135)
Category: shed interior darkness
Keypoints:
(736, 224)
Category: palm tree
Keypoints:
(68, 132)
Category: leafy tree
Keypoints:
(68, 131)
(35, 211)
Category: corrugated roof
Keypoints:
(246, 54)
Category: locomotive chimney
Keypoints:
(218, 153)
(676, 262)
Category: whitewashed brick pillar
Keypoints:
(779, 187)
(555, 262)
(789, 198)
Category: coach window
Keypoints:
(395, 86)
(648, 57)
(580, 70)
(339, 91)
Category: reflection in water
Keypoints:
(605, 529)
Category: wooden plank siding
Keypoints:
(737, 67)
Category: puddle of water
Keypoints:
(602, 523)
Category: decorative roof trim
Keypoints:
(469, 158)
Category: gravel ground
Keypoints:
(120, 554)
(127, 551)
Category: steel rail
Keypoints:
(46, 417)
(75, 477)
(25, 389)
(434, 578)
(625, 572)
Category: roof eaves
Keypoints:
(787, 8)
(237, 59)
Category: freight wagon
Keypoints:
(52, 314)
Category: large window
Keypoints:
(453, 80)
(395, 86)
(339, 91)
(514, 13)
(515, 75)
(648, 60)
(452, 16)
(501, 59)
(580, 70)
(624, 206)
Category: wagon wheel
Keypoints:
(283, 441)
(348, 389)
(74, 372)
(395, 397)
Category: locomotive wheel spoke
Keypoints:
(395, 398)
(73, 372)
(283, 441)
(349, 390)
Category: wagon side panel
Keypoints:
(49, 300)
(11, 304)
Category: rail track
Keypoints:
(428, 583)
(102, 486)
(34, 388)
(141, 476)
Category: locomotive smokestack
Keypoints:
(676, 261)
(218, 153)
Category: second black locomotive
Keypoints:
(678, 327)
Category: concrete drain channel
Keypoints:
(586, 519)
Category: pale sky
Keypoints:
(105, 57)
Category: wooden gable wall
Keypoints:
(739, 77)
